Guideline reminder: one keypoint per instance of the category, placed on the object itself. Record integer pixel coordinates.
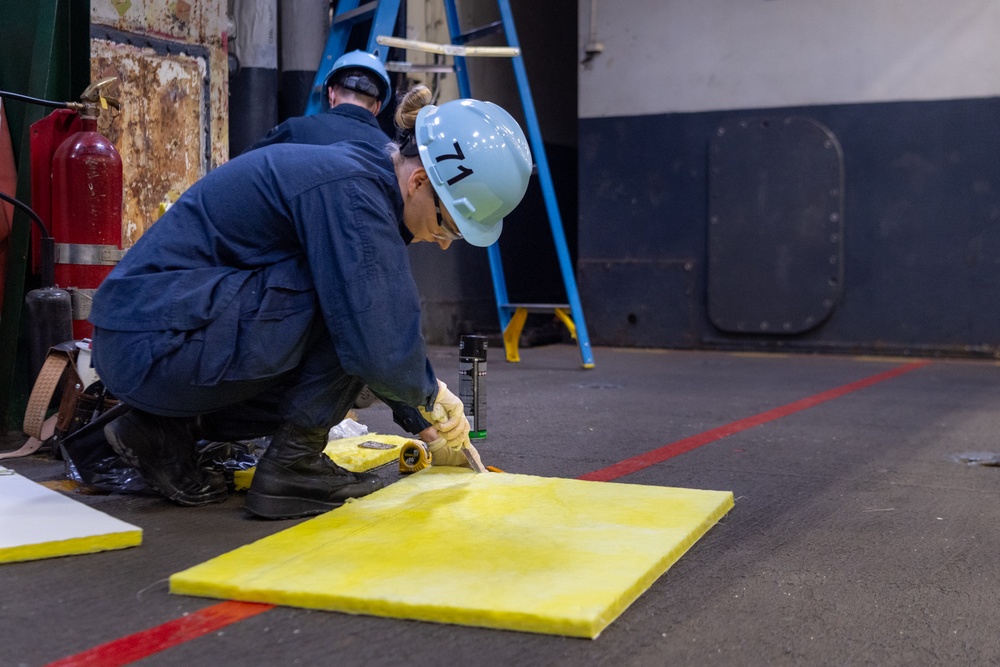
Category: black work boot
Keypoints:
(294, 478)
(162, 450)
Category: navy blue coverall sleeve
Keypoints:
(365, 289)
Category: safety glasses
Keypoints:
(447, 233)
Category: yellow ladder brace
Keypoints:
(512, 333)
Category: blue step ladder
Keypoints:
(383, 15)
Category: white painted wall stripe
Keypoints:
(666, 56)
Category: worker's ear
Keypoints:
(418, 178)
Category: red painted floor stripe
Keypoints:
(660, 455)
(144, 644)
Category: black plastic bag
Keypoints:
(91, 461)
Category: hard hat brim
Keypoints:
(473, 232)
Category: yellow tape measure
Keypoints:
(413, 456)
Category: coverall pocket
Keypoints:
(218, 348)
(273, 338)
(125, 360)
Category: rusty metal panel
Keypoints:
(159, 130)
(172, 60)
(202, 24)
(194, 22)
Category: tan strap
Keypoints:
(33, 443)
(41, 393)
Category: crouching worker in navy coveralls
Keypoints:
(279, 285)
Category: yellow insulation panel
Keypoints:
(447, 545)
(363, 452)
(36, 522)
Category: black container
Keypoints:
(472, 382)
(50, 322)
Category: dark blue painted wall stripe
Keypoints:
(921, 228)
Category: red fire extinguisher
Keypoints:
(77, 189)
(77, 177)
(86, 215)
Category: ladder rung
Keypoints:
(535, 306)
(400, 66)
(449, 49)
(357, 14)
(477, 33)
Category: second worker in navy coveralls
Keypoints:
(357, 90)
(282, 278)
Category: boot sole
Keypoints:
(154, 479)
(265, 506)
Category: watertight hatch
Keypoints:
(775, 232)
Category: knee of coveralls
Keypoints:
(270, 340)
(152, 371)
(255, 343)
(320, 392)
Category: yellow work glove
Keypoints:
(443, 455)
(448, 417)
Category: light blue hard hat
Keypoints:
(478, 161)
(366, 61)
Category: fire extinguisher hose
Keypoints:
(33, 100)
(48, 243)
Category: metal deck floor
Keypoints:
(859, 535)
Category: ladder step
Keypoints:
(478, 33)
(448, 49)
(535, 306)
(356, 15)
(402, 66)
